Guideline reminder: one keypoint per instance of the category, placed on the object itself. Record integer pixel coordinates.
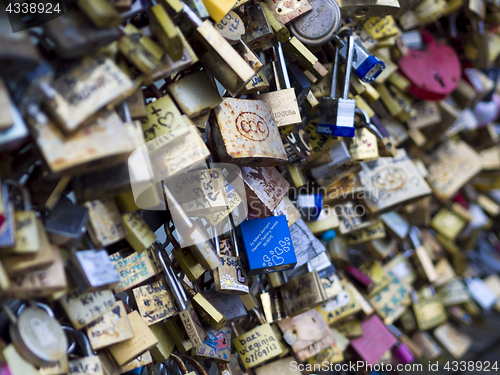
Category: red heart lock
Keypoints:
(434, 72)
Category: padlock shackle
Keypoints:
(199, 368)
(335, 72)
(178, 362)
(172, 281)
(348, 66)
(282, 63)
(191, 15)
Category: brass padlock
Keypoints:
(303, 293)
(155, 302)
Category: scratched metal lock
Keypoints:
(258, 31)
(318, 26)
(113, 327)
(450, 166)
(303, 293)
(105, 223)
(230, 277)
(244, 133)
(392, 182)
(143, 340)
(67, 101)
(265, 188)
(256, 345)
(288, 11)
(195, 94)
(36, 334)
(155, 302)
(307, 334)
(189, 318)
(283, 101)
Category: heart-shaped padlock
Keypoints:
(433, 72)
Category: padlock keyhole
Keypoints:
(438, 77)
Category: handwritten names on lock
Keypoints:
(199, 191)
(87, 88)
(257, 345)
(381, 27)
(163, 117)
(363, 146)
(155, 302)
(27, 238)
(111, 328)
(106, 223)
(319, 143)
(341, 305)
(84, 308)
(86, 366)
(133, 269)
(373, 232)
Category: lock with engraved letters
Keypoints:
(36, 333)
(336, 116)
(283, 101)
(268, 245)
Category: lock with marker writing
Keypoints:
(187, 314)
(336, 117)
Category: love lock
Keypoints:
(433, 72)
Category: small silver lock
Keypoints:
(36, 334)
(336, 117)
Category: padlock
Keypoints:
(281, 32)
(207, 311)
(377, 339)
(283, 101)
(221, 60)
(337, 114)
(370, 274)
(454, 293)
(454, 341)
(302, 293)
(298, 146)
(155, 302)
(434, 73)
(195, 94)
(181, 366)
(137, 54)
(366, 66)
(216, 347)
(93, 270)
(111, 328)
(423, 262)
(307, 334)
(429, 312)
(143, 339)
(391, 302)
(105, 223)
(101, 13)
(106, 130)
(258, 31)
(36, 334)
(300, 54)
(166, 31)
(231, 306)
(400, 350)
(20, 224)
(187, 314)
(427, 344)
(230, 277)
(320, 25)
(287, 12)
(72, 104)
(268, 245)
(256, 345)
(74, 35)
(239, 123)
(127, 263)
(231, 27)
(480, 292)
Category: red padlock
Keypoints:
(434, 72)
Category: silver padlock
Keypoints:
(36, 334)
(336, 117)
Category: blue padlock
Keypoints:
(267, 245)
(310, 205)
